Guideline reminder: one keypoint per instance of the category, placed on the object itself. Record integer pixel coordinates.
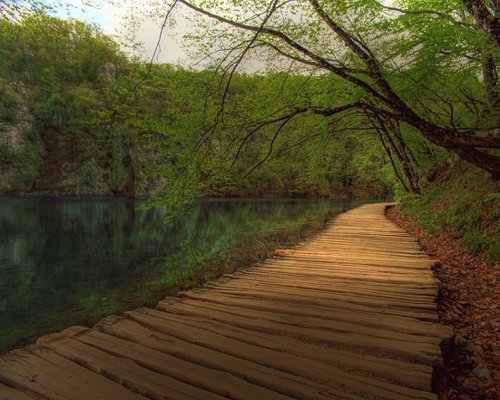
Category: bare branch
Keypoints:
(434, 13)
(282, 125)
(259, 126)
(271, 9)
(308, 62)
(349, 41)
(289, 41)
(157, 47)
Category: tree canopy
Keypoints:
(351, 89)
(395, 67)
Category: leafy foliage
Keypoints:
(129, 135)
(463, 201)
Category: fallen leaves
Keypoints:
(469, 300)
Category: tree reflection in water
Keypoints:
(66, 261)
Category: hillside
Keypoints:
(79, 118)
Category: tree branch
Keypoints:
(282, 125)
(488, 21)
(438, 14)
(297, 46)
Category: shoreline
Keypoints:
(208, 197)
(250, 252)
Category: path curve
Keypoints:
(349, 315)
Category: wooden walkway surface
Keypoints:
(350, 315)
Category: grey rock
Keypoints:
(107, 73)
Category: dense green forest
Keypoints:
(79, 118)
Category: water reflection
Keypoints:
(72, 261)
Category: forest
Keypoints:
(78, 120)
(392, 100)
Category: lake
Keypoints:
(67, 261)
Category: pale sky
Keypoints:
(110, 18)
(109, 15)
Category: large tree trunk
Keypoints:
(391, 147)
(486, 18)
(466, 147)
(481, 159)
(490, 79)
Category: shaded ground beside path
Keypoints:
(469, 301)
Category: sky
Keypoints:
(110, 18)
(109, 15)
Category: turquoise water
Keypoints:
(67, 261)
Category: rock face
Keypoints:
(43, 160)
(12, 134)
(21, 149)
(106, 74)
(56, 159)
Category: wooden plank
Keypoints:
(351, 303)
(330, 255)
(287, 354)
(395, 323)
(8, 393)
(43, 373)
(335, 284)
(313, 285)
(316, 323)
(296, 386)
(416, 352)
(360, 280)
(311, 269)
(214, 381)
(284, 344)
(354, 290)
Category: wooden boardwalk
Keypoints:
(350, 315)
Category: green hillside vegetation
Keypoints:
(464, 201)
(354, 98)
(78, 118)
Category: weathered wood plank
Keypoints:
(417, 352)
(316, 323)
(214, 381)
(336, 284)
(352, 303)
(332, 380)
(394, 323)
(286, 354)
(45, 374)
(313, 286)
(8, 393)
(379, 291)
(296, 386)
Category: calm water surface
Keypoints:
(67, 261)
